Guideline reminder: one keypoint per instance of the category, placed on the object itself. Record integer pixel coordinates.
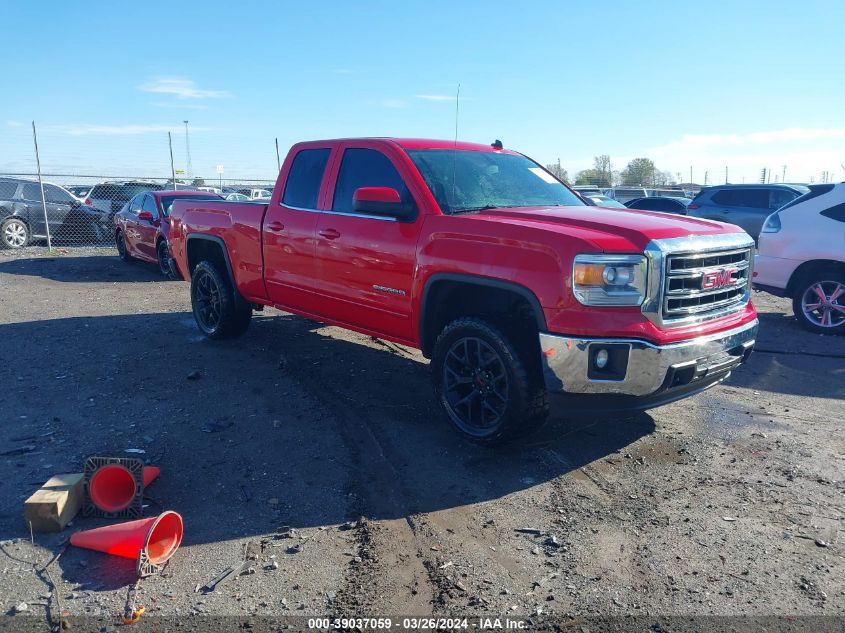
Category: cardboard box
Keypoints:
(52, 506)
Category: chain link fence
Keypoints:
(63, 185)
(79, 210)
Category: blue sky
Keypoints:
(744, 84)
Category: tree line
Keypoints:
(639, 172)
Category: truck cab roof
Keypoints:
(415, 143)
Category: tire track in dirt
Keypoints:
(607, 557)
(390, 574)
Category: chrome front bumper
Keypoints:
(649, 368)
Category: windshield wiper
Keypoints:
(475, 209)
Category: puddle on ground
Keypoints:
(728, 420)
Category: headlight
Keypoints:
(609, 280)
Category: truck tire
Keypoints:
(822, 316)
(482, 381)
(218, 311)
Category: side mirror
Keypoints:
(383, 201)
(145, 215)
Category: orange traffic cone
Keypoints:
(150, 474)
(155, 538)
(112, 487)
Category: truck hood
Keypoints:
(608, 229)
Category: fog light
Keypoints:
(601, 358)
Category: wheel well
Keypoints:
(20, 219)
(199, 249)
(810, 266)
(508, 308)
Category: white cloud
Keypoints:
(11, 123)
(179, 105)
(182, 88)
(86, 129)
(697, 142)
(805, 151)
(393, 103)
(436, 97)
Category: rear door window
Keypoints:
(629, 192)
(726, 197)
(31, 191)
(98, 192)
(7, 190)
(302, 189)
(780, 197)
(56, 195)
(749, 198)
(656, 204)
(754, 198)
(365, 168)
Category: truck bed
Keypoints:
(236, 224)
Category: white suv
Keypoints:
(801, 254)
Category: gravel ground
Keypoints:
(321, 454)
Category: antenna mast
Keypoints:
(457, 112)
(455, 150)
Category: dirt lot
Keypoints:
(728, 503)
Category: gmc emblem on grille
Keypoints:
(718, 278)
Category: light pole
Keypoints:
(188, 168)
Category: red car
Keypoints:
(142, 226)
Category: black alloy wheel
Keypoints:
(163, 255)
(489, 386)
(475, 385)
(219, 310)
(205, 293)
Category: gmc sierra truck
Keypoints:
(524, 298)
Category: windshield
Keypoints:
(167, 201)
(109, 191)
(464, 180)
(604, 201)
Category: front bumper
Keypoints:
(642, 371)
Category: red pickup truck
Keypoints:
(523, 297)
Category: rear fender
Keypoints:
(201, 247)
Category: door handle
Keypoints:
(330, 234)
(276, 226)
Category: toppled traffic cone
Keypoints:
(115, 485)
(150, 474)
(151, 542)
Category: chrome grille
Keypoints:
(697, 283)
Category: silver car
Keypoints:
(747, 206)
